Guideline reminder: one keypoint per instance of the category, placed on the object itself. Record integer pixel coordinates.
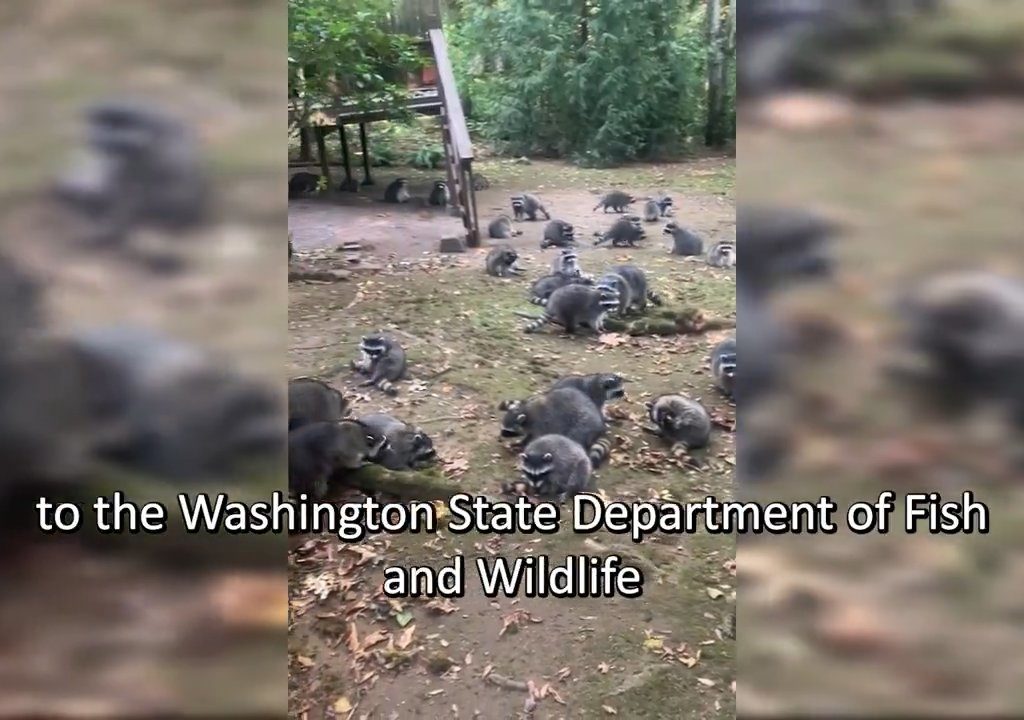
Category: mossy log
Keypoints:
(428, 484)
(667, 321)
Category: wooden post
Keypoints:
(305, 151)
(350, 184)
(449, 166)
(472, 219)
(321, 150)
(367, 180)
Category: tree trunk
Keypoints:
(305, 151)
(714, 130)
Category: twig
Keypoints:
(443, 418)
(507, 683)
(439, 373)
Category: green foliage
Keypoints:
(343, 49)
(427, 158)
(601, 81)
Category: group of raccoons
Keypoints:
(562, 434)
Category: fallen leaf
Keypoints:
(715, 593)
(403, 618)
(406, 637)
(342, 706)
(304, 661)
(609, 710)
(707, 682)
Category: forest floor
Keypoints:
(668, 654)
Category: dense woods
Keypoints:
(599, 82)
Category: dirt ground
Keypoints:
(668, 654)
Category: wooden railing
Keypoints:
(458, 148)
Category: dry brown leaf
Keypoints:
(707, 682)
(609, 710)
(342, 706)
(715, 593)
(603, 668)
(406, 637)
(304, 661)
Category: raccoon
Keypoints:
(480, 182)
(616, 282)
(664, 204)
(408, 447)
(318, 450)
(397, 191)
(527, 206)
(501, 228)
(722, 255)
(303, 183)
(542, 288)
(623, 232)
(555, 466)
(564, 411)
(439, 195)
(311, 400)
(558, 233)
(616, 200)
(723, 365)
(681, 420)
(599, 387)
(501, 262)
(652, 211)
(383, 360)
(567, 263)
(637, 280)
(684, 241)
(576, 305)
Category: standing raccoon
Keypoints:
(303, 183)
(664, 204)
(680, 420)
(439, 195)
(723, 366)
(558, 233)
(407, 448)
(616, 200)
(383, 360)
(311, 400)
(555, 466)
(640, 293)
(527, 206)
(623, 233)
(542, 288)
(684, 241)
(599, 387)
(566, 262)
(575, 306)
(501, 262)
(501, 228)
(722, 255)
(318, 450)
(397, 191)
(564, 411)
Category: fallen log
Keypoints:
(427, 484)
(666, 321)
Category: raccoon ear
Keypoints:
(548, 457)
(521, 418)
(649, 405)
(522, 456)
(504, 405)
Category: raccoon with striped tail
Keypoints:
(624, 232)
(575, 306)
(616, 200)
(682, 421)
(565, 411)
(526, 206)
(541, 289)
(641, 292)
(554, 466)
(501, 262)
(599, 387)
(723, 366)
(382, 358)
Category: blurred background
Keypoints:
(142, 240)
(880, 321)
